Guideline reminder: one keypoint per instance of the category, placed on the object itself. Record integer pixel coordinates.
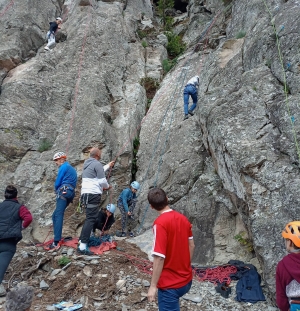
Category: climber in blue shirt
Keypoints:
(126, 204)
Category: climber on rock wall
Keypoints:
(51, 33)
(191, 89)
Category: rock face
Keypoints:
(237, 157)
(232, 168)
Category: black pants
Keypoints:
(7, 250)
(91, 218)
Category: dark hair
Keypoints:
(11, 192)
(157, 198)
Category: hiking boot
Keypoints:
(191, 113)
(85, 252)
(2, 290)
(223, 290)
(185, 117)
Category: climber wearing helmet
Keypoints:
(126, 204)
(64, 187)
(288, 272)
(51, 33)
(191, 88)
(105, 219)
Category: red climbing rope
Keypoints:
(220, 274)
(6, 8)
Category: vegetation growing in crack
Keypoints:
(134, 167)
(45, 145)
(244, 241)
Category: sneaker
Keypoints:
(53, 245)
(191, 113)
(46, 48)
(186, 117)
(131, 234)
(85, 252)
(2, 291)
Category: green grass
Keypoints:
(45, 145)
(64, 261)
(240, 34)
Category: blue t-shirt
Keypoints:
(66, 175)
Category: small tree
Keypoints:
(162, 6)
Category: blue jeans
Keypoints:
(168, 299)
(190, 90)
(62, 201)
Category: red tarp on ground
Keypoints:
(98, 250)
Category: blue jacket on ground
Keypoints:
(66, 175)
(125, 197)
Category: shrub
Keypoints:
(142, 34)
(144, 44)
(244, 241)
(175, 45)
(168, 64)
(45, 144)
(240, 34)
(64, 260)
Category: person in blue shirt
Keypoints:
(64, 186)
(126, 204)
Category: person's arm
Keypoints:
(108, 166)
(281, 298)
(191, 247)
(158, 264)
(26, 216)
(124, 196)
(60, 175)
(101, 176)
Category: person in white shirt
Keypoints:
(191, 89)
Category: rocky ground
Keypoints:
(117, 280)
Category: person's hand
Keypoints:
(111, 164)
(109, 187)
(129, 214)
(151, 293)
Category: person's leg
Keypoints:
(186, 95)
(194, 95)
(123, 216)
(91, 218)
(168, 300)
(58, 218)
(7, 251)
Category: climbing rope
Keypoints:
(292, 119)
(220, 274)
(10, 4)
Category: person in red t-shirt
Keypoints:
(173, 249)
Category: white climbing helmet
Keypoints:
(59, 155)
(135, 185)
(111, 208)
(58, 19)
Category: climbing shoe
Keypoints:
(223, 290)
(131, 217)
(191, 113)
(131, 234)
(85, 252)
(46, 48)
(186, 117)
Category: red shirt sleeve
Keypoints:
(26, 216)
(281, 298)
(160, 241)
